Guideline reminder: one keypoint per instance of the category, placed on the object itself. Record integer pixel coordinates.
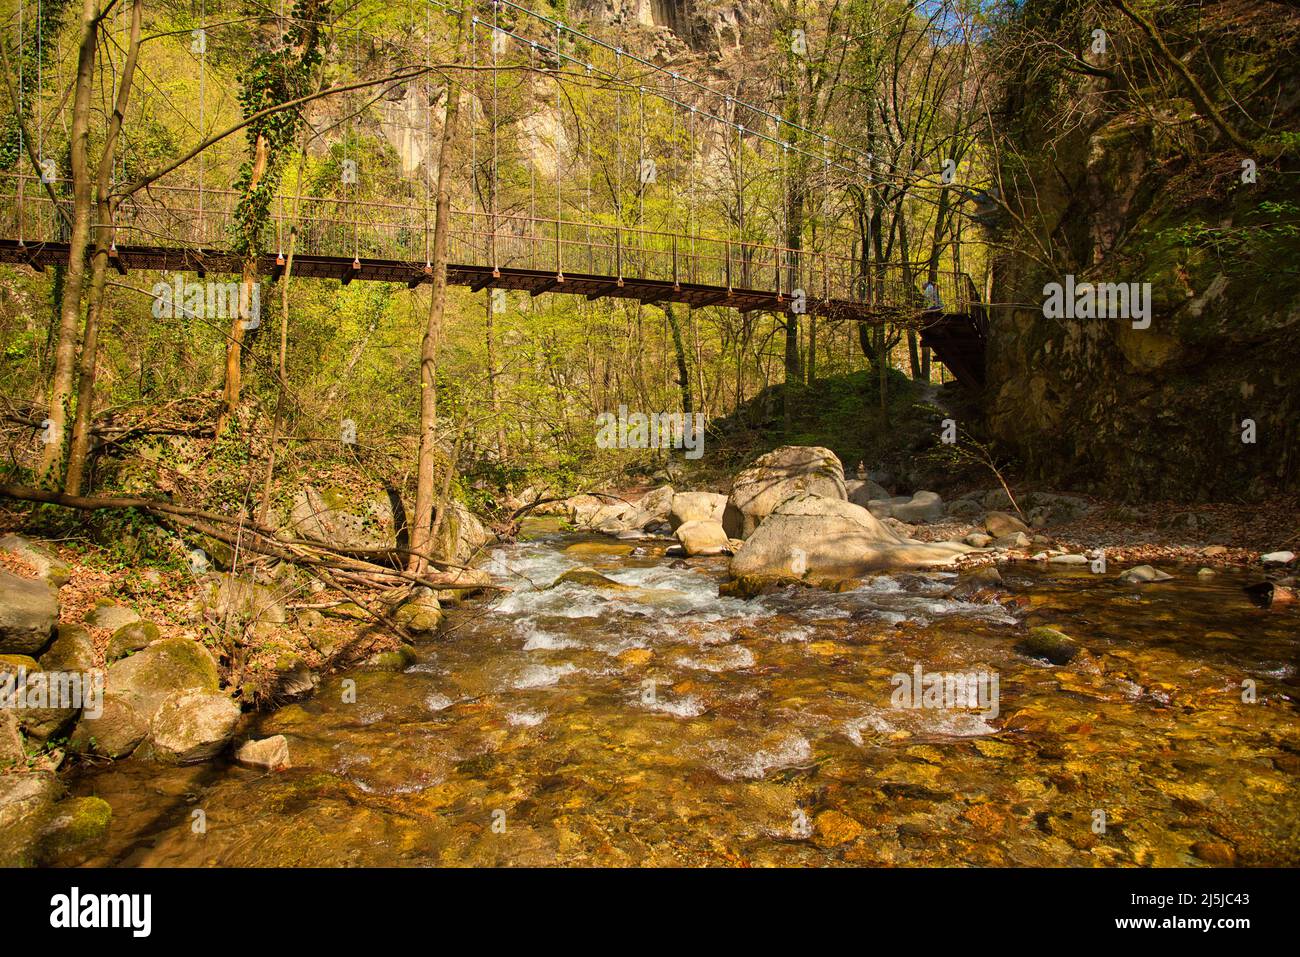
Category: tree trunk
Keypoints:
(493, 398)
(65, 352)
(683, 372)
(106, 214)
(425, 490)
(238, 326)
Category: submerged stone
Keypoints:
(1049, 644)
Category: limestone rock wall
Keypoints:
(1154, 413)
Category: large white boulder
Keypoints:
(814, 536)
(696, 507)
(776, 476)
(654, 507)
(703, 538)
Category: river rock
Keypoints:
(397, 659)
(1277, 558)
(1267, 594)
(703, 538)
(266, 754)
(461, 535)
(291, 677)
(28, 610)
(585, 575)
(110, 616)
(12, 752)
(1001, 524)
(608, 517)
(538, 500)
(813, 535)
(42, 718)
(654, 507)
(117, 731)
(921, 507)
(15, 664)
(192, 726)
(1049, 644)
(72, 650)
(580, 508)
(343, 518)
(129, 639)
(774, 477)
(226, 596)
(620, 549)
(71, 831)
(148, 677)
(49, 567)
(1141, 574)
(696, 507)
(978, 585)
(861, 492)
(461, 583)
(1217, 853)
(421, 613)
(25, 800)
(1014, 540)
(1068, 560)
(966, 509)
(978, 540)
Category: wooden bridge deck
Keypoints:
(533, 281)
(180, 229)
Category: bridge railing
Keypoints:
(186, 217)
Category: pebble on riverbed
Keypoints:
(266, 754)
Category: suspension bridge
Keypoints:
(499, 241)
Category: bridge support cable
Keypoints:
(492, 192)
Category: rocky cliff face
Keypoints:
(1204, 403)
(705, 26)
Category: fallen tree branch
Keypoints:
(258, 538)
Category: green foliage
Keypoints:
(280, 73)
(39, 46)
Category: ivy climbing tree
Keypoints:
(280, 72)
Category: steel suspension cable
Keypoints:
(559, 209)
(492, 194)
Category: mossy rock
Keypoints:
(192, 726)
(10, 664)
(25, 801)
(115, 733)
(220, 554)
(399, 659)
(48, 566)
(347, 609)
(751, 586)
(72, 650)
(146, 678)
(107, 614)
(129, 639)
(591, 578)
(12, 752)
(74, 830)
(1049, 644)
(421, 614)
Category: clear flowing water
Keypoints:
(661, 724)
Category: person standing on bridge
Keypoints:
(931, 294)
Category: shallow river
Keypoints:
(663, 725)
